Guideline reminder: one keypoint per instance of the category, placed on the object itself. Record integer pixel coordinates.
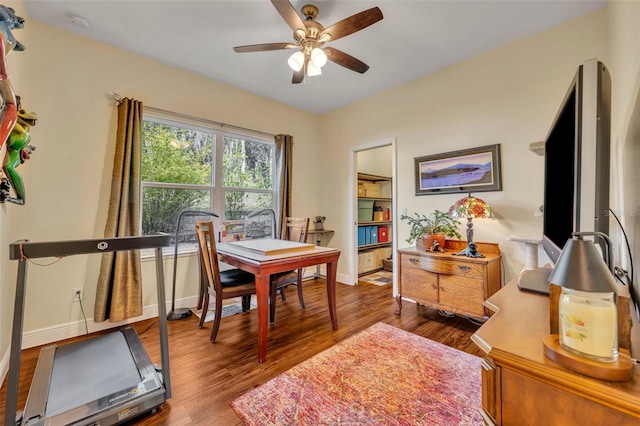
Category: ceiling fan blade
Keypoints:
(298, 76)
(264, 47)
(288, 12)
(346, 60)
(353, 23)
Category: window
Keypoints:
(193, 167)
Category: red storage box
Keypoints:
(383, 234)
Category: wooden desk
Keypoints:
(263, 266)
(521, 386)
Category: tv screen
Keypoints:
(576, 185)
(559, 182)
(576, 177)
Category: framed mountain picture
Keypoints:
(467, 170)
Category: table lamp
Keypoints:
(470, 207)
(584, 311)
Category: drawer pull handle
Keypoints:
(414, 260)
(464, 268)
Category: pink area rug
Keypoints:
(380, 376)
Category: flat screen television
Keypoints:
(577, 158)
(576, 177)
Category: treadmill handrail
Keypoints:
(88, 246)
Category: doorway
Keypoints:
(374, 193)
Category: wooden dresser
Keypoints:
(457, 284)
(520, 386)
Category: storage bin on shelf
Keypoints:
(383, 234)
(362, 235)
(371, 235)
(365, 210)
(371, 190)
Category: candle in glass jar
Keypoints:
(589, 324)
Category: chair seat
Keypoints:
(283, 277)
(235, 278)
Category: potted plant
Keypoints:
(436, 227)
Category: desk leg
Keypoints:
(332, 268)
(262, 294)
(318, 241)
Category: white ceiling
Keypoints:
(415, 38)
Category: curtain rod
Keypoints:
(118, 99)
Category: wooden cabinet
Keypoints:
(374, 222)
(457, 284)
(521, 386)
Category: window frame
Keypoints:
(215, 186)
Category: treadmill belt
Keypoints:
(88, 370)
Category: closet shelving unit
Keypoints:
(370, 255)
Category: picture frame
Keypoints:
(467, 170)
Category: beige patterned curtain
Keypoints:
(284, 173)
(119, 293)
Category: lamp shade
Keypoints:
(470, 207)
(313, 70)
(581, 267)
(588, 320)
(296, 61)
(318, 57)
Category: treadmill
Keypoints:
(104, 380)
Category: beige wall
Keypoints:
(67, 81)
(508, 96)
(376, 161)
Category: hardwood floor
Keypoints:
(207, 376)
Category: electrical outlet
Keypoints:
(77, 294)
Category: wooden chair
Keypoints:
(296, 229)
(220, 284)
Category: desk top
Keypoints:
(271, 246)
(513, 336)
(235, 249)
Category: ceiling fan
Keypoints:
(310, 36)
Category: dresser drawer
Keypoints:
(443, 265)
(463, 293)
(419, 285)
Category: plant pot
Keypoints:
(429, 239)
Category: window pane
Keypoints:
(175, 155)
(247, 164)
(161, 207)
(238, 204)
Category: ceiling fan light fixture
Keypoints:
(310, 35)
(318, 57)
(296, 61)
(313, 70)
